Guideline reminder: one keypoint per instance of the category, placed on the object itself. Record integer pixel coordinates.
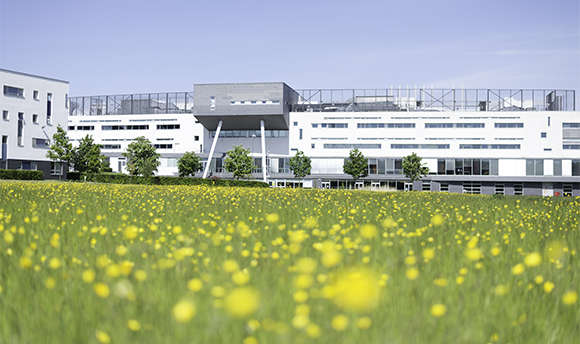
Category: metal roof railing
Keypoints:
(126, 104)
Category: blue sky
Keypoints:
(125, 46)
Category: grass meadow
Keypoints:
(96, 263)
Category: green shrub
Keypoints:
(21, 174)
(73, 176)
(120, 178)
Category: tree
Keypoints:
(239, 162)
(61, 150)
(87, 157)
(142, 159)
(188, 164)
(356, 165)
(300, 165)
(413, 168)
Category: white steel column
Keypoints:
(263, 135)
(208, 164)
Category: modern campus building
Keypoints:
(32, 108)
(493, 141)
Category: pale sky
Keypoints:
(110, 47)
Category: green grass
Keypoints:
(93, 220)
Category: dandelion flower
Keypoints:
(412, 273)
(548, 287)
(533, 259)
(242, 302)
(339, 322)
(570, 297)
(102, 290)
(518, 269)
(368, 231)
(183, 311)
(438, 310)
(102, 337)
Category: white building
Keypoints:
(32, 108)
(473, 141)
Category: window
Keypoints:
(4, 148)
(56, 168)
(295, 124)
(509, 125)
(71, 127)
(385, 125)
(471, 188)
(557, 167)
(571, 146)
(5, 115)
(20, 127)
(571, 125)
(330, 125)
(426, 186)
(567, 190)
(575, 167)
(35, 94)
(110, 146)
(518, 189)
(167, 126)
(454, 125)
(196, 138)
(300, 134)
(534, 167)
(125, 127)
(352, 145)
(28, 165)
(419, 146)
(35, 118)
(444, 187)
(211, 103)
(49, 108)
(478, 167)
(11, 91)
(163, 145)
(543, 134)
(485, 146)
(499, 189)
(85, 127)
(39, 143)
(312, 145)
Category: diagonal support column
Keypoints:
(208, 164)
(263, 136)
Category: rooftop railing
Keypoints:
(432, 99)
(126, 104)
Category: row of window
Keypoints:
(35, 117)
(253, 102)
(250, 133)
(490, 146)
(478, 167)
(418, 146)
(571, 125)
(454, 125)
(424, 146)
(352, 145)
(18, 92)
(385, 125)
(330, 125)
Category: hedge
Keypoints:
(120, 178)
(21, 174)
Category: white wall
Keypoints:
(29, 106)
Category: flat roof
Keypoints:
(32, 75)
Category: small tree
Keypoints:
(188, 164)
(413, 168)
(61, 150)
(87, 157)
(300, 165)
(142, 159)
(356, 165)
(239, 162)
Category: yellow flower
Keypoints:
(230, 265)
(131, 232)
(473, 253)
(133, 325)
(313, 330)
(102, 337)
(25, 262)
(412, 273)
(428, 253)
(495, 251)
(440, 282)
(339, 322)
(242, 302)
(183, 311)
(102, 290)
(533, 259)
(50, 283)
(303, 281)
(368, 231)
(518, 269)
(548, 287)
(501, 290)
(272, 218)
(331, 258)
(539, 279)
(306, 265)
(194, 284)
(363, 323)
(570, 297)
(438, 310)
(356, 289)
(250, 340)
(218, 291)
(140, 275)
(88, 276)
(54, 263)
(437, 220)
(121, 250)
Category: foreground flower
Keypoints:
(242, 302)
(183, 311)
(570, 297)
(357, 290)
(339, 322)
(533, 259)
(438, 310)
